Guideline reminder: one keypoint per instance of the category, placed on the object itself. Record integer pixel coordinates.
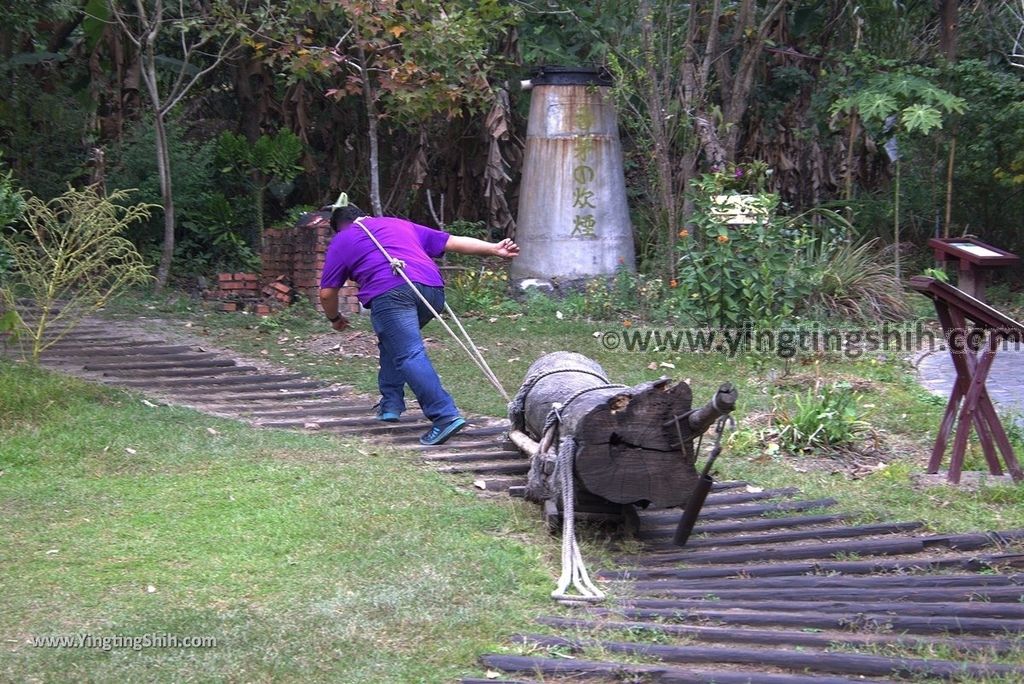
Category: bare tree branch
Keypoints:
(1015, 11)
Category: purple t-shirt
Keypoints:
(353, 256)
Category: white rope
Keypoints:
(573, 569)
(398, 267)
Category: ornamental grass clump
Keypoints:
(824, 419)
(70, 259)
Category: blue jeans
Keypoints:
(397, 316)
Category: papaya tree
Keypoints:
(898, 104)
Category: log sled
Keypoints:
(628, 447)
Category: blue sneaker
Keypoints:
(388, 416)
(439, 435)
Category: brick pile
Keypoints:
(242, 292)
(235, 291)
(297, 253)
(280, 290)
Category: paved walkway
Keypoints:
(1005, 381)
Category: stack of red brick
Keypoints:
(297, 253)
(235, 290)
(279, 290)
(241, 292)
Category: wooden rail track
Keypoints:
(772, 587)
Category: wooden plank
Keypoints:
(214, 381)
(682, 589)
(786, 659)
(844, 532)
(202, 399)
(1008, 609)
(730, 527)
(520, 467)
(94, 352)
(738, 512)
(665, 674)
(776, 637)
(500, 484)
(931, 563)
(180, 372)
(860, 621)
(898, 546)
(964, 583)
(263, 388)
(476, 456)
(732, 498)
(174, 361)
(313, 410)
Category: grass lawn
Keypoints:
(306, 558)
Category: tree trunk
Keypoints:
(163, 163)
(371, 115)
(949, 29)
(633, 445)
(737, 97)
(949, 185)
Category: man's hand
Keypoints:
(506, 249)
(340, 324)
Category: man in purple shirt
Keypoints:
(396, 313)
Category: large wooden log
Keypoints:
(633, 445)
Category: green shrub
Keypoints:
(743, 275)
(213, 241)
(477, 290)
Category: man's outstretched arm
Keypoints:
(467, 245)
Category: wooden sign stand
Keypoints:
(973, 349)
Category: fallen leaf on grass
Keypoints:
(754, 490)
(212, 431)
(149, 403)
(480, 484)
(150, 589)
(131, 451)
(311, 426)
